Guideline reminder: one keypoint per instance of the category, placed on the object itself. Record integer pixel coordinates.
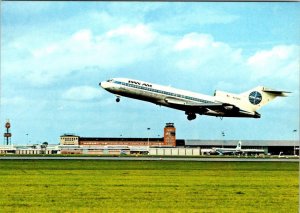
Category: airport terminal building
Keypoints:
(166, 145)
(73, 144)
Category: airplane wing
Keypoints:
(179, 102)
(253, 150)
(223, 152)
(191, 106)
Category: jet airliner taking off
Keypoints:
(222, 104)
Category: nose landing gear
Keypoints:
(118, 99)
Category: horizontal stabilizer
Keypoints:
(275, 92)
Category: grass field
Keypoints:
(147, 186)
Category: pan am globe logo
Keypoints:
(255, 97)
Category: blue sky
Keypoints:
(54, 54)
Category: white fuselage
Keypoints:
(152, 92)
(190, 102)
(223, 151)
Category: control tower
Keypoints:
(170, 135)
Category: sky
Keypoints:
(54, 54)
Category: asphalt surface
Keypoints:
(210, 159)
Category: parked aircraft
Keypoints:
(237, 150)
(222, 104)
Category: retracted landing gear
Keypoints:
(118, 99)
(191, 116)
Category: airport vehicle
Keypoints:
(237, 150)
(222, 104)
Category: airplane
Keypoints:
(237, 150)
(222, 104)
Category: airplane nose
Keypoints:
(103, 84)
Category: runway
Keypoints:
(208, 159)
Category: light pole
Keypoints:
(223, 135)
(27, 138)
(148, 140)
(296, 141)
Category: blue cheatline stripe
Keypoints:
(162, 92)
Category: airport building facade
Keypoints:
(167, 145)
(29, 149)
(272, 147)
(73, 144)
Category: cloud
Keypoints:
(281, 61)
(206, 47)
(194, 40)
(128, 45)
(200, 53)
(43, 52)
(82, 93)
(197, 16)
(203, 57)
(53, 61)
(139, 33)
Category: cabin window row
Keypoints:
(161, 92)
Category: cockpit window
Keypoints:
(110, 80)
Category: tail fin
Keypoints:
(260, 96)
(239, 145)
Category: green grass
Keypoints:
(147, 186)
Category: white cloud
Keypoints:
(82, 93)
(82, 36)
(139, 33)
(116, 48)
(203, 57)
(194, 40)
(280, 61)
(198, 51)
(43, 52)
